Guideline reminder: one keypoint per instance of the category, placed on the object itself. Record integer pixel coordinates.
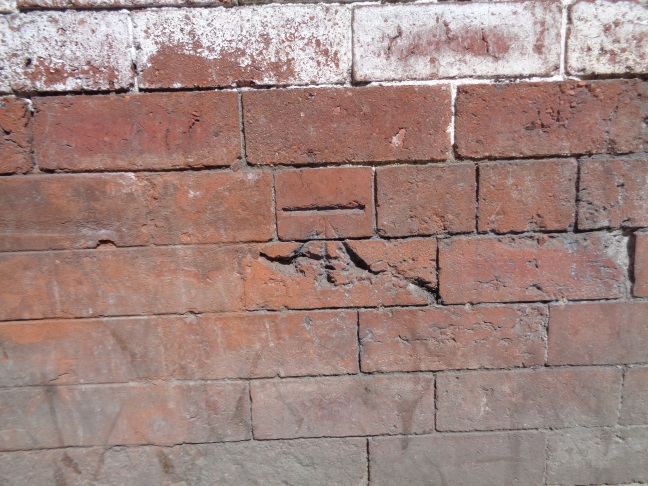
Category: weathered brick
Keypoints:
(218, 207)
(324, 203)
(139, 131)
(531, 268)
(527, 196)
(640, 287)
(125, 281)
(331, 124)
(82, 351)
(540, 119)
(419, 200)
(15, 144)
(58, 212)
(613, 193)
(607, 37)
(341, 274)
(468, 459)
(306, 461)
(405, 42)
(88, 415)
(597, 456)
(634, 406)
(7, 6)
(68, 51)
(598, 333)
(214, 346)
(452, 338)
(343, 406)
(525, 399)
(50, 4)
(299, 44)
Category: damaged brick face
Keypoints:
(323, 243)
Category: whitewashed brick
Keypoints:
(7, 6)
(415, 42)
(266, 45)
(608, 37)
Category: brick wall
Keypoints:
(323, 244)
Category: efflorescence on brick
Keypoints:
(323, 243)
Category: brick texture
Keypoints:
(143, 131)
(15, 143)
(324, 203)
(408, 123)
(342, 406)
(613, 193)
(530, 268)
(598, 333)
(640, 288)
(399, 42)
(527, 196)
(530, 399)
(452, 338)
(420, 200)
(634, 407)
(540, 119)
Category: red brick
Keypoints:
(640, 287)
(441, 338)
(598, 333)
(15, 144)
(613, 193)
(343, 406)
(341, 274)
(607, 37)
(82, 351)
(431, 199)
(527, 196)
(468, 459)
(124, 281)
(214, 346)
(51, 4)
(324, 203)
(138, 131)
(406, 42)
(300, 44)
(634, 407)
(531, 268)
(70, 211)
(211, 207)
(540, 119)
(69, 51)
(525, 399)
(598, 456)
(374, 124)
(107, 415)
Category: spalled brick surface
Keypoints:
(318, 462)
(15, 144)
(329, 125)
(343, 406)
(634, 408)
(67, 51)
(298, 44)
(527, 196)
(324, 203)
(425, 200)
(452, 338)
(540, 119)
(340, 274)
(613, 193)
(528, 399)
(640, 288)
(61, 4)
(144, 131)
(470, 460)
(531, 268)
(123, 414)
(456, 40)
(597, 456)
(608, 37)
(598, 333)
